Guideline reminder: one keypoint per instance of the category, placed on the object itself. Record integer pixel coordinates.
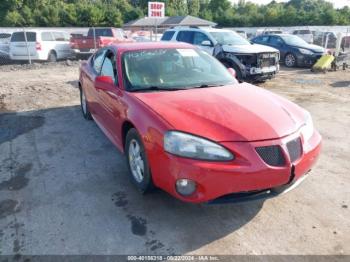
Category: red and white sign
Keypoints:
(156, 9)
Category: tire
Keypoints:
(290, 60)
(137, 162)
(52, 57)
(233, 66)
(84, 106)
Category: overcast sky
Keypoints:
(336, 3)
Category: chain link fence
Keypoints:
(32, 45)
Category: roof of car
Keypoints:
(150, 45)
(199, 28)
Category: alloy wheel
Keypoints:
(136, 161)
(290, 60)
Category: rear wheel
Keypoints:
(84, 106)
(137, 162)
(290, 60)
(52, 57)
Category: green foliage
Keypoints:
(117, 12)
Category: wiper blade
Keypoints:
(156, 88)
(206, 86)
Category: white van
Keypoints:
(42, 45)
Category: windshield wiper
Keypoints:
(156, 88)
(206, 86)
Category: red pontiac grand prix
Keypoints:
(188, 127)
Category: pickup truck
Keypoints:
(96, 38)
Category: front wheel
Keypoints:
(239, 76)
(290, 60)
(137, 162)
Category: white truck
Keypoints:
(252, 62)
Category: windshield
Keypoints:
(294, 40)
(173, 69)
(229, 38)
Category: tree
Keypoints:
(193, 7)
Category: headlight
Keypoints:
(305, 51)
(190, 146)
(308, 129)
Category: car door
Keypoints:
(185, 36)
(278, 43)
(89, 84)
(60, 45)
(110, 98)
(47, 43)
(203, 42)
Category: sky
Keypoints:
(336, 3)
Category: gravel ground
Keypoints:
(64, 188)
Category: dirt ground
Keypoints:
(64, 188)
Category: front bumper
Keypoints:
(83, 51)
(246, 174)
(307, 60)
(260, 194)
(259, 74)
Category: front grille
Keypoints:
(272, 155)
(294, 149)
(267, 60)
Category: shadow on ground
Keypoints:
(78, 198)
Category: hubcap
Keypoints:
(136, 162)
(83, 102)
(290, 60)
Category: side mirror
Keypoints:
(103, 82)
(206, 43)
(232, 72)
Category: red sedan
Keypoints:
(188, 127)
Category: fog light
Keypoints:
(185, 187)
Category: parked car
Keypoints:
(4, 43)
(188, 127)
(251, 62)
(294, 50)
(327, 40)
(305, 34)
(272, 32)
(267, 31)
(96, 38)
(44, 45)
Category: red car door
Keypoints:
(110, 100)
(92, 94)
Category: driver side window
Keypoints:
(109, 67)
(199, 37)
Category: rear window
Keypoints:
(100, 32)
(305, 32)
(167, 36)
(19, 37)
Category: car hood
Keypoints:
(248, 49)
(239, 112)
(313, 48)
